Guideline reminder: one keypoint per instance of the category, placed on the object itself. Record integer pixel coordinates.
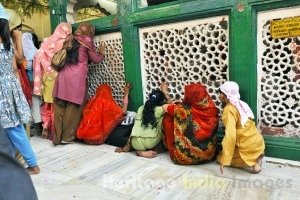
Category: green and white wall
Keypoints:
(207, 41)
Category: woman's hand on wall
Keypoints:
(164, 87)
(101, 48)
(127, 88)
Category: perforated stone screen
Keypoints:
(186, 52)
(278, 78)
(111, 69)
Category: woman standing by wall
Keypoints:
(45, 75)
(14, 110)
(70, 89)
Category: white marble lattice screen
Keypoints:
(278, 78)
(111, 69)
(185, 52)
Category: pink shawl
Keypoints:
(42, 61)
(231, 90)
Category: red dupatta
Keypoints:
(100, 116)
(190, 127)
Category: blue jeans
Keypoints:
(5, 144)
(20, 141)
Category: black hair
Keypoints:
(72, 53)
(5, 33)
(220, 91)
(156, 98)
(35, 40)
(19, 27)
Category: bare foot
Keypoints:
(126, 148)
(33, 170)
(147, 154)
(122, 149)
(45, 133)
(258, 165)
(256, 169)
(119, 150)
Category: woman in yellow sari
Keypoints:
(242, 145)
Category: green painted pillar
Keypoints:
(242, 52)
(131, 53)
(58, 10)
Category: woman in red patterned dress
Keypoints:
(190, 127)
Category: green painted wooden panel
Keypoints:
(179, 11)
(105, 24)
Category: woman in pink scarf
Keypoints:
(70, 89)
(242, 145)
(45, 75)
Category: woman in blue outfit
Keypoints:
(14, 110)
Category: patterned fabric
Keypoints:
(190, 127)
(14, 109)
(231, 90)
(129, 118)
(42, 62)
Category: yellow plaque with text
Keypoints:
(288, 27)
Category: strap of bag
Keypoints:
(85, 45)
(68, 42)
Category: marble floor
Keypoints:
(84, 172)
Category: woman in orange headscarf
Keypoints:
(190, 127)
(101, 115)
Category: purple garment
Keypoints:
(71, 82)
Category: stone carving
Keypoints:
(111, 69)
(278, 84)
(185, 52)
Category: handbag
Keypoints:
(59, 59)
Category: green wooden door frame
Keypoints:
(242, 33)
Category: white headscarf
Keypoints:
(28, 46)
(231, 90)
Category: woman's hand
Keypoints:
(127, 88)
(164, 87)
(101, 48)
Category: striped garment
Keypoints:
(129, 118)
